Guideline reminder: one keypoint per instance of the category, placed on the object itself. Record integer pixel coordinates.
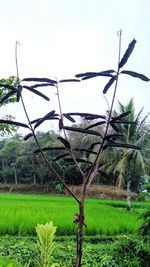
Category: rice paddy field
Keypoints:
(20, 213)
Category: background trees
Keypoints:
(128, 165)
(19, 163)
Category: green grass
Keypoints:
(19, 214)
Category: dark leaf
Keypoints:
(57, 148)
(61, 125)
(93, 73)
(95, 124)
(7, 86)
(97, 75)
(87, 151)
(114, 126)
(3, 99)
(111, 81)
(127, 53)
(50, 118)
(36, 92)
(86, 115)
(60, 156)
(42, 85)
(111, 144)
(69, 80)
(78, 160)
(49, 114)
(88, 169)
(44, 80)
(28, 136)
(112, 136)
(136, 75)
(121, 116)
(68, 117)
(93, 145)
(80, 130)
(16, 123)
(19, 92)
(46, 117)
(65, 142)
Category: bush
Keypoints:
(131, 252)
(7, 262)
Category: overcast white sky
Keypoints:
(60, 38)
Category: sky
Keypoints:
(60, 38)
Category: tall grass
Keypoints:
(19, 214)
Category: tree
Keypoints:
(6, 85)
(65, 149)
(128, 164)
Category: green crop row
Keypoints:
(20, 214)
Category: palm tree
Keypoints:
(124, 161)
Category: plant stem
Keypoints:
(93, 172)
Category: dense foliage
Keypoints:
(19, 163)
(125, 252)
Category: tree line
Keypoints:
(120, 166)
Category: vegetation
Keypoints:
(87, 160)
(5, 86)
(127, 251)
(127, 164)
(18, 208)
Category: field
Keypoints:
(20, 213)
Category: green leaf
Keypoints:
(127, 53)
(136, 75)
(111, 81)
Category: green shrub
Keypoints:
(144, 229)
(7, 262)
(131, 252)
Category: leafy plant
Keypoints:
(46, 244)
(87, 160)
(7, 262)
(144, 229)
